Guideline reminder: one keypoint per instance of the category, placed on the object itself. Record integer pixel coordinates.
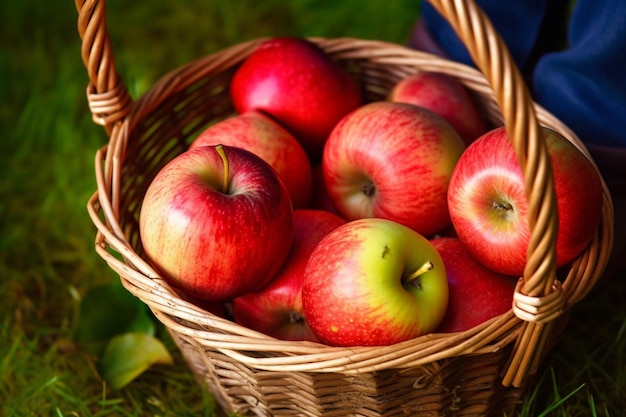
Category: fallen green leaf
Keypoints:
(128, 355)
(107, 311)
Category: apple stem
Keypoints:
(496, 205)
(413, 278)
(295, 318)
(368, 188)
(220, 150)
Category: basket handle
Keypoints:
(493, 59)
(107, 96)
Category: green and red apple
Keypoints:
(373, 282)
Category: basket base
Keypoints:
(464, 385)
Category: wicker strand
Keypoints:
(107, 96)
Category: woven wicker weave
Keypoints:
(482, 371)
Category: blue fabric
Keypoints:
(583, 84)
(518, 22)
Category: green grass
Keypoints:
(47, 261)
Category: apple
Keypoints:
(216, 222)
(216, 308)
(297, 83)
(276, 309)
(476, 293)
(373, 282)
(446, 96)
(261, 135)
(489, 209)
(320, 199)
(393, 161)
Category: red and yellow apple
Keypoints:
(446, 96)
(261, 135)
(216, 222)
(373, 282)
(489, 208)
(393, 161)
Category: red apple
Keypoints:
(373, 282)
(393, 161)
(261, 135)
(216, 222)
(476, 293)
(216, 308)
(446, 96)
(276, 309)
(298, 84)
(489, 209)
(320, 199)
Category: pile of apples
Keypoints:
(315, 215)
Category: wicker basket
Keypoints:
(481, 371)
